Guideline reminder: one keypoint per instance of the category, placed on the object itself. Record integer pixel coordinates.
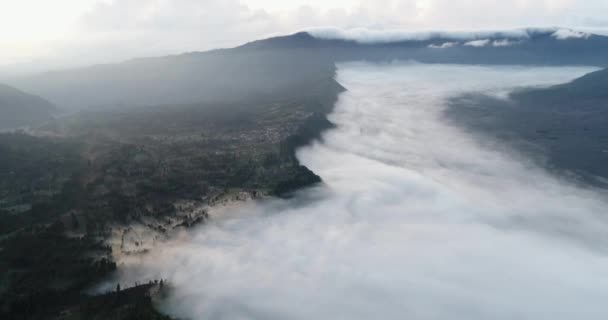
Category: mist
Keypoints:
(416, 219)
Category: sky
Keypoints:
(38, 33)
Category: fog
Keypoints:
(416, 219)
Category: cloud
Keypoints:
(564, 34)
(444, 45)
(113, 31)
(503, 43)
(365, 35)
(476, 38)
(416, 220)
(478, 43)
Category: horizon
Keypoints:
(68, 33)
(359, 35)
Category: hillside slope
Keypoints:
(215, 76)
(271, 66)
(105, 183)
(18, 108)
(563, 127)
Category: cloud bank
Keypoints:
(444, 45)
(479, 38)
(478, 43)
(416, 220)
(365, 35)
(563, 34)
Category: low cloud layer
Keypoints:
(365, 35)
(416, 220)
(563, 34)
(478, 38)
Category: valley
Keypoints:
(126, 188)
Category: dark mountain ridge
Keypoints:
(590, 86)
(534, 46)
(271, 66)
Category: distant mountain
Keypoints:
(524, 47)
(216, 76)
(18, 108)
(563, 126)
(591, 87)
(272, 66)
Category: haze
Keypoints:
(416, 219)
(40, 35)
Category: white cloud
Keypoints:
(503, 43)
(366, 35)
(416, 220)
(444, 45)
(504, 38)
(478, 43)
(563, 34)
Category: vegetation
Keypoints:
(563, 127)
(67, 186)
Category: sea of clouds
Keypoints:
(369, 36)
(415, 220)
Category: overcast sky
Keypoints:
(75, 32)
